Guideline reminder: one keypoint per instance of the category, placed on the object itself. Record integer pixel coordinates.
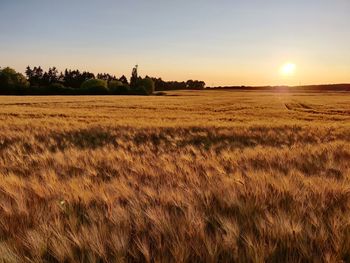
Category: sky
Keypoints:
(223, 42)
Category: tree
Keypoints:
(146, 85)
(35, 76)
(44, 82)
(11, 82)
(134, 77)
(50, 77)
(124, 80)
(116, 87)
(74, 79)
(106, 76)
(29, 73)
(115, 84)
(94, 86)
(195, 84)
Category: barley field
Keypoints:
(193, 176)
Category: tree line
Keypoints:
(74, 82)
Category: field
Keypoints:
(194, 176)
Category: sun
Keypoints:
(288, 69)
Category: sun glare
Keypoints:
(288, 69)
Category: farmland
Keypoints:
(192, 176)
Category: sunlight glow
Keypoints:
(288, 69)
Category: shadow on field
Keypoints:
(83, 139)
(203, 138)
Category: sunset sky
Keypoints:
(223, 42)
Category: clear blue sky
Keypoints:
(221, 42)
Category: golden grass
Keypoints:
(193, 177)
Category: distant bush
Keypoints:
(60, 89)
(145, 86)
(94, 87)
(116, 87)
(195, 84)
(53, 89)
(113, 84)
(12, 82)
(120, 90)
(57, 86)
(140, 91)
(93, 83)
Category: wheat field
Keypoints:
(193, 176)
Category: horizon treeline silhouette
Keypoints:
(74, 82)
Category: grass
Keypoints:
(202, 176)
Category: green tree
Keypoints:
(115, 84)
(94, 86)
(146, 85)
(116, 87)
(12, 82)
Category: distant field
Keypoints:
(194, 176)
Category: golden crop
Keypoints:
(202, 176)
